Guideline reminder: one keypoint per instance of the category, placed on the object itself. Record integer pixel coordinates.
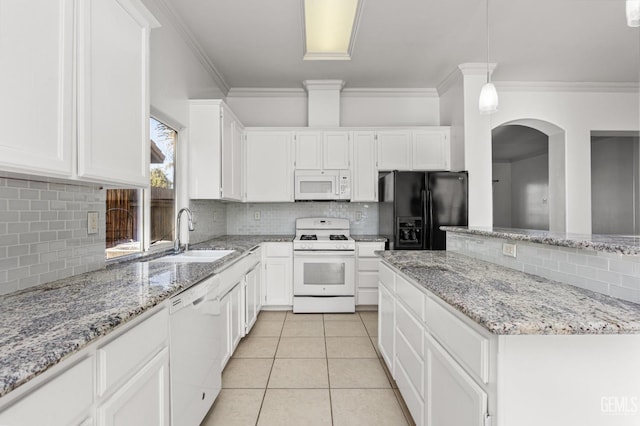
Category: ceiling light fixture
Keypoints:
(633, 13)
(488, 102)
(329, 28)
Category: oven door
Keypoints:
(315, 185)
(324, 273)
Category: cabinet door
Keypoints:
(205, 149)
(238, 162)
(237, 314)
(452, 398)
(269, 167)
(278, 282)
(226, 166)
(308, 146)
(394, 150)
(365, 173)
(386, 326)
(36, 83)
(143, 400)
(225, 330)
(113, 100)
(336, 152)
(431, 149)
(252, 296)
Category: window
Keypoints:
(134, 216)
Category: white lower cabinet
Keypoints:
(65, 399)
(122, 380)
(253, 299)
(437, 389)
(453, 398)
(367, 272)
(143, 400)
(237, 315)
(278, 274)
(231, 320)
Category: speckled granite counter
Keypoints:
(505, 301)
(42, 326)
(622, 244)
(369, 238)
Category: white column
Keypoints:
(477, 146)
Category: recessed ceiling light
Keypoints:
(330, 28)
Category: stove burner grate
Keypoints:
(308, 237)
(337, 238)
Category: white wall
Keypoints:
(577, 113)
(177, 75)
(288, 108)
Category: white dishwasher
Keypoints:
(195, 352)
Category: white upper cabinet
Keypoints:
(36, 83)
(215, 151)
(308, 150)
(269, 166)
(414, 149)
(335, 150)
(103, 89)
(328, 150)
(113, 95)
(431, 149)
(365, 172)
(394, 150)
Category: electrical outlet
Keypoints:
(256, 215)
(509, 249)
(92, 223)
(358, 216)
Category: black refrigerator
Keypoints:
(414, 205)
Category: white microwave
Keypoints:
(322, 185)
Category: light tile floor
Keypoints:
(309, 369)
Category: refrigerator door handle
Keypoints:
(430, 213)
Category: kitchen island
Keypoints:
(469, 341)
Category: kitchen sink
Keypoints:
(194, 256)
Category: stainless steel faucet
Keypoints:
(177, 247)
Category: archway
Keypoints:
(545, 194)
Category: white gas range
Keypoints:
(323, 266)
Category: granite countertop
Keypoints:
(42, 326)
(505, 301)
(621, 244)
(369, 238)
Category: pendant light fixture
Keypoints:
(633, 13)
(488, 102)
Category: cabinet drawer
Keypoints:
(411, 297)
(369, 249)
(387, 277)
(410, 394)
(60, 401)
(466, 345)
(122, 357)
(367, 296)
(367, 280)
(368, 265)
(412, 330)
(411, 362)
(279, 250)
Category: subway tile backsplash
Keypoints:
(43, 232)
(612, 274)
(209, 220)
(279, 218)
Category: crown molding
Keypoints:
(448, 82)
(188, 37)
(248, 92)
(390, 93)
(323, 85)
(560, 86)
(477, 68)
